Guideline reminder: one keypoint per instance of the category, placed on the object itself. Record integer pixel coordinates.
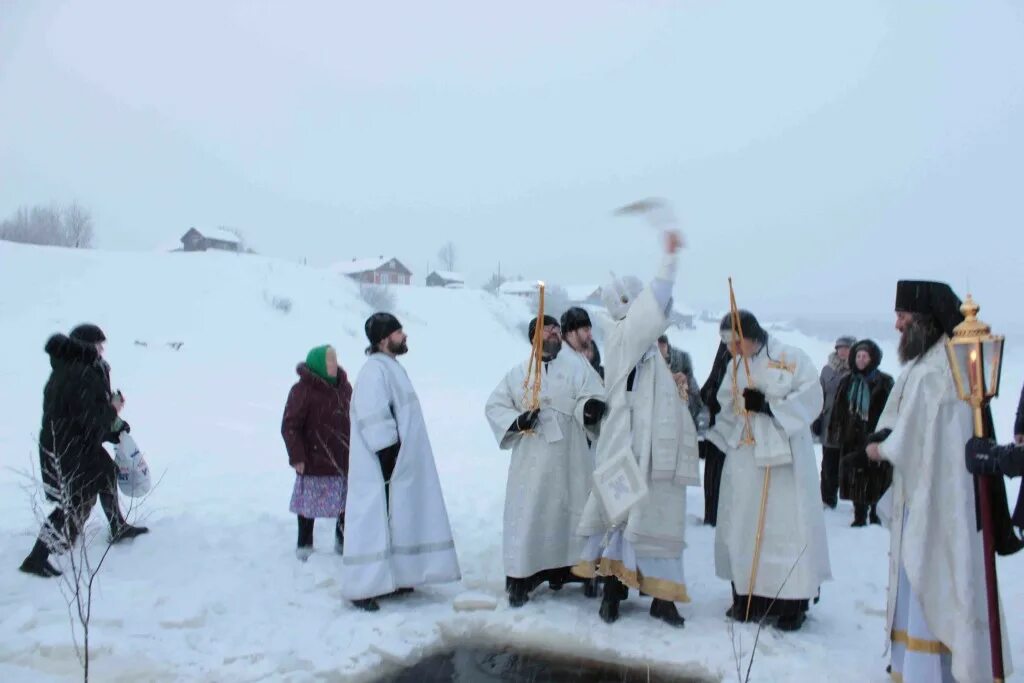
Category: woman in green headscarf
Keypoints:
(860, 398)
(316, 430)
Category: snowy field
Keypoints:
(215, 593)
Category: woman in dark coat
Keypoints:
(860, 398)
(316, 431)
(78, 415)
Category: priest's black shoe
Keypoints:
(126, 532)
(874, 519)
(791, 622)
(518, 593)
(609, 611)
(367, 605)
(667, 612)
(859, 522)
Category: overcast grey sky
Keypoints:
(817, 151)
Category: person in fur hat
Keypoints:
(80, 413)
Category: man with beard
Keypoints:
(682, 372)
(832, 375)
(713, 457)
(937, 615)
(859, 402)
(645, 421)
(397, 533)
(551, 469)
(776, 406)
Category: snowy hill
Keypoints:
(215, 593)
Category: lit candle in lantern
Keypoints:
(973, 376)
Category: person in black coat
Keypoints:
(714, 459)
(79, 414)
(860, 399)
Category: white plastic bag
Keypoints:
(132, 471)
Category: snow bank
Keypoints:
(215, 592)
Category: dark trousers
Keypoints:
(830, 476)
(306, 530)
(714, 463)
(65, 523)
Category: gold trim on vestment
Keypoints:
(896, 676)
(662, 589)
(931, 647)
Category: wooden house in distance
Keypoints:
(375, 271)
(447, 279)
(220, 239)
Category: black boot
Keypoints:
(590, 588)
(667, 612)
(38, 563)
(339, 536)
(367, 604)
(126, 532)
(873, 518)
(860, 515)
(791, 622)
(614, 592)
(518, 591)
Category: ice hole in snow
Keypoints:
(473, 662)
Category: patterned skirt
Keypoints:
(314, 496)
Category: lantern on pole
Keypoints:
(976, 359)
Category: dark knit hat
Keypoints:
(381, 326)
(548, 320)
(936, 299)
(574, 319)
(749, 326)
(88, 333)
(663, 339)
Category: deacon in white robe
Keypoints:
(937, 616)
(551, 468)
(782, 398)
(645, 422)
(397, 534)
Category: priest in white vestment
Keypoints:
(551, 468)
(646, 422)
(397, 534)
(937, 619)
(782, 398)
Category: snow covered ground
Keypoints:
(215, 593)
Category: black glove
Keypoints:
(756, 402)
(593, 411)
(125, 427)
(879, 436)
(526, 421)
(816, 427)
(979, 457)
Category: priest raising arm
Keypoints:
(647, 423)
(551, 468)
